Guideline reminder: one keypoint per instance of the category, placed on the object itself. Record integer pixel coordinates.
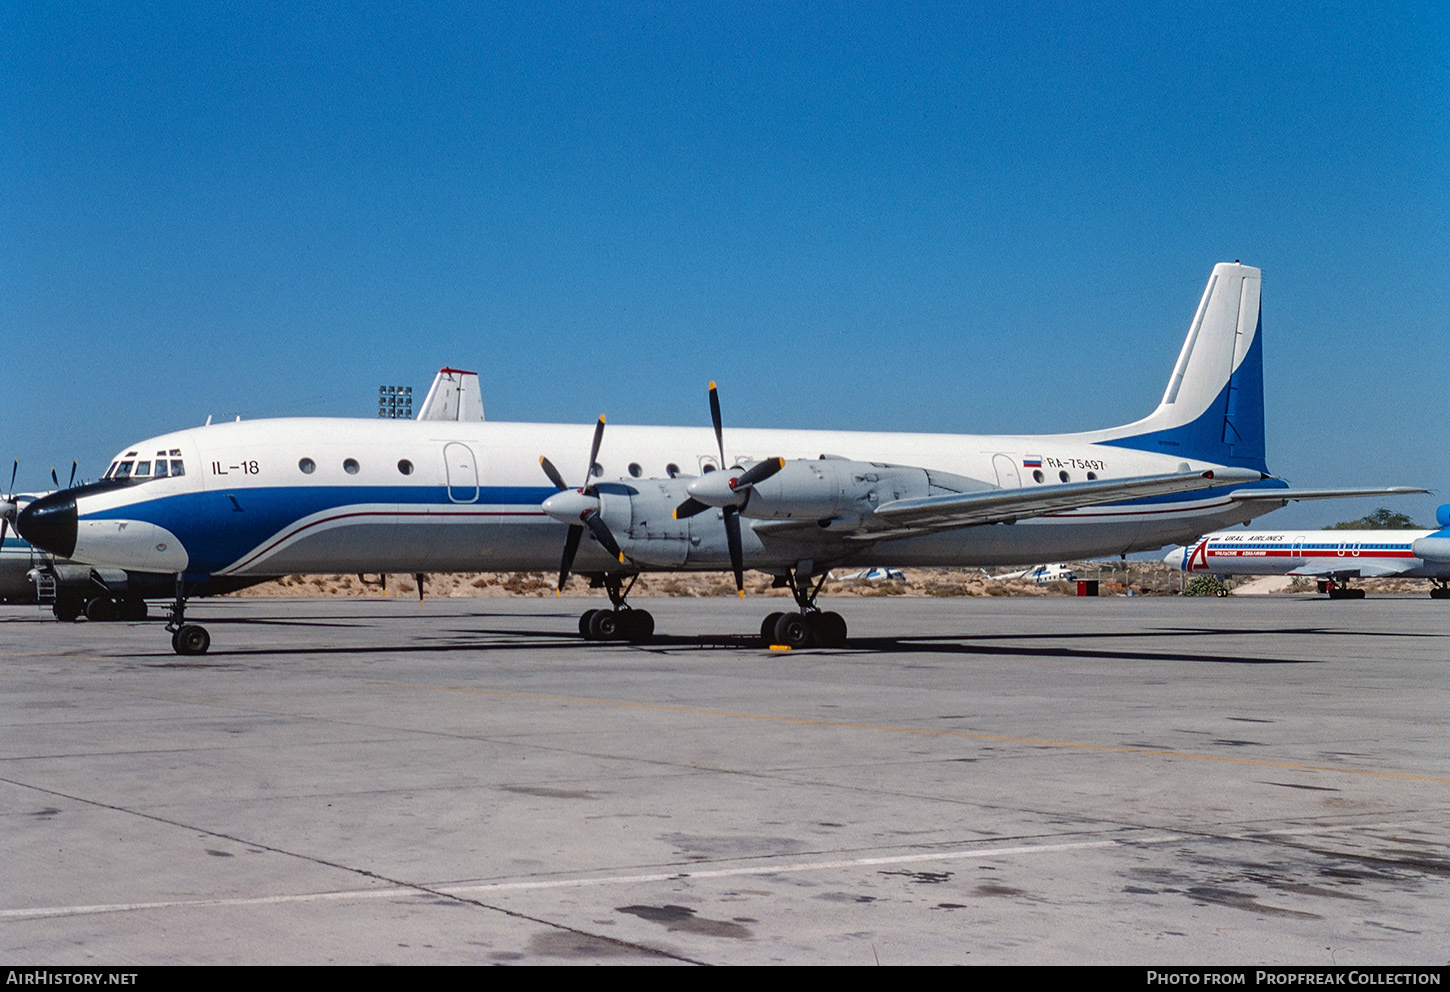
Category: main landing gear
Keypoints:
(1337, 590)
(623, 622)
(810, 627)
(186, 638)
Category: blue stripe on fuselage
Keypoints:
(217, 528)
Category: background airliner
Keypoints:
(237, 501)
(1334, 555)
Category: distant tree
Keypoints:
(1381, 519)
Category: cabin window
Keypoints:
(1092, 476)
(634, 470)
(307, 465)
(405, 467)
(350, 466)
(1037, 475)
(1063, 476)
(672, 470)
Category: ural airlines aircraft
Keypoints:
(275, 497)
(1335, 556)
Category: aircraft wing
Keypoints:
(1284, 495)
(931, 513)
(1358, 570)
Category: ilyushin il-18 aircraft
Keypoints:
(1332, 556)
(249, 499)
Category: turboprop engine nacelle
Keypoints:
(836, 488)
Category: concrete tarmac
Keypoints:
(973, 781)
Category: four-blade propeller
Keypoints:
(728, 491)
(579, 508)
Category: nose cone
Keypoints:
(49, 523)
(716, 488)
(569, 506)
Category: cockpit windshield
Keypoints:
(135, 465)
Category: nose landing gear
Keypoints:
(186, 638)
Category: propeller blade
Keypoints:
(4, 524)
(571, 547)
(13, 470)
(595, 522)
(689, 508)
(53, 477)
(758, 473)
(552, 473)
(716, 420)
(737, 555)
(594, 453)
(75, 463)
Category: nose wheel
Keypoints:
(186, 638)
(190, 638)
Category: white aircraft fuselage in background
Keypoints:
(1337, 555)
(276, 497)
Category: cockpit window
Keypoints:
(166, 464)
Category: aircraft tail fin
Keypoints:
(454, 396)
(1213, 406)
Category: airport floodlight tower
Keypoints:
(395, 402)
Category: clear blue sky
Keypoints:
(946, 217)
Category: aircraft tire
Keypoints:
(101, 609)
(767, 628)
(584, 619)
(793, 631)
(1440, 593)
(133, 609)
(604, 625)
(68, 609)
(829, 629)
(190, 639)
(639, 625)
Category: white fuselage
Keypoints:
(420, 496)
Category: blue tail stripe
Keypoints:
(1230, 431)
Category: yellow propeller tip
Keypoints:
(741, 592)
(712, 383)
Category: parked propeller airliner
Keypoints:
(1333, 556)
(276, 497)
